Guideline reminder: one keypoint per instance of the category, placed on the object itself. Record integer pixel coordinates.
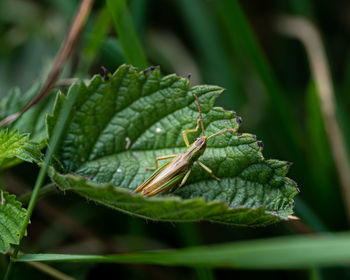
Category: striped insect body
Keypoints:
(174, 174)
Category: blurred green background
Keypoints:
(236, 45)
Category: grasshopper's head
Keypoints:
(199, 146)
(201, 142)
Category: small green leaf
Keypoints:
(11, 219)
(15, 147)
(119, 127)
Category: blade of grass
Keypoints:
(131, 45)
(309, 36)
(212, 54)
(343, 115)
(53, 144)
(190, 236)
(344, 103)
(243, 39)
(321, 174)
(138, 9)
(315, 274)
(306, 214)
(54, 141)
(96, 38)
(295, 252)
(112, 51)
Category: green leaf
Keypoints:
(15, 147)
(119, 127)
(11, 219)
(293, 252)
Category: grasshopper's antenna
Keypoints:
(200, 113)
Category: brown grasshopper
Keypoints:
(177, 171)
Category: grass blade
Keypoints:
(190, 236)
(241, 37)
(310, 37)
(294, 252)
(138, 10)
(131, 45)
(210, 47)
(95, 38)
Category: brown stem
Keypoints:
(65, 51)
(310, 37)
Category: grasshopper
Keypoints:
(177, 171)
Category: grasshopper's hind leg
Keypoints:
(206, 168)
(189, 131)
(158, 159)
(183, 180)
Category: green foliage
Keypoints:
(127, 33)
(119, 127)
(205, 31)
(241, 36)
(294, 252)
(230, 43)
(32, 121)
(11, 219)
(15, 147)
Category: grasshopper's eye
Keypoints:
(199, 141)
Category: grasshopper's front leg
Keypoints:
(206, 168)
(189, 131)
(158, 159)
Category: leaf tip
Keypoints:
(239, 120)
(260, 144)
(105, 73)
(288, 164)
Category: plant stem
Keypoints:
(53, 144)
(67, 48)
(35, 194)
(310, 37)
(50, 271)
(8, 271)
